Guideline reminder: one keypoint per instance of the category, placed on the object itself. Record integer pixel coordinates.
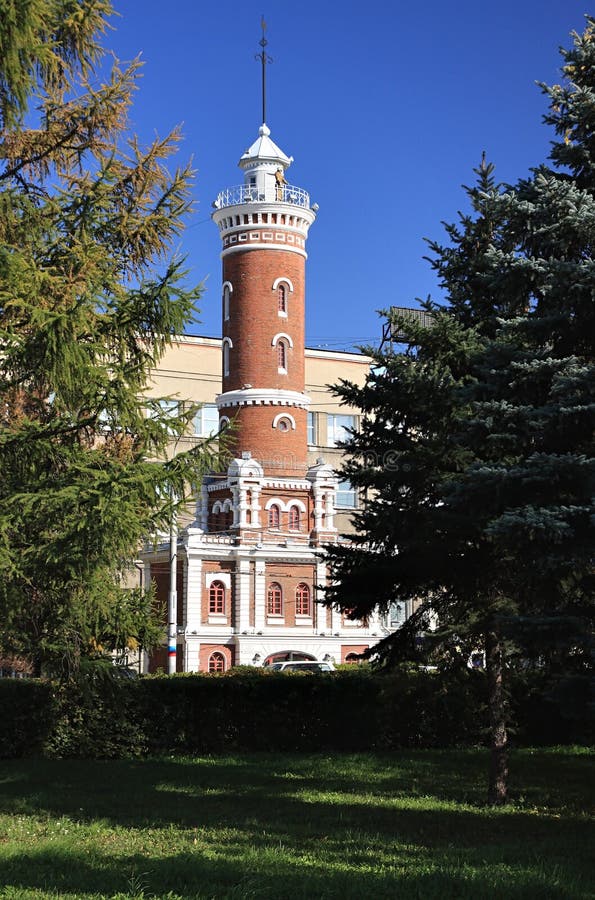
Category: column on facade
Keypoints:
(329, 506)
(256, 507)
(259, 595)
(242, 595)
(235, 493)
(318, 508)
(193, 592)
(202, 508)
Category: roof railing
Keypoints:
(247, 193)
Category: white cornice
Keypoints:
(237, 248)
(262, 397)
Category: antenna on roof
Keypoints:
(264, 59)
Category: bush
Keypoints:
(26, 713)
(433, 709)
(101, 716)
(98, 716)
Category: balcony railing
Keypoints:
(245, 193)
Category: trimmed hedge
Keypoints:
(194, 714)
(26, 716)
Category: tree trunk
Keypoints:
(498, 782)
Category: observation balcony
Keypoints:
(247, 193)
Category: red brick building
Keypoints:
(251, 564)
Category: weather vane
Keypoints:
(264, 59)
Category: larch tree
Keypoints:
(91, 295)
(475, 451)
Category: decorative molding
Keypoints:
(282, 336)
(246, 247)
(223, 577)
(284, 415)
(283, 279)
(262, 397)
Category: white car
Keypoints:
(301, 665)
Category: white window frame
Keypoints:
(345, 494)
(201, 421)
(336, 431)
(227, 344)
(286, 282)
(227, 292)
(312, 429)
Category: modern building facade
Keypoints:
(251, 561)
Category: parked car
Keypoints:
(301, 665)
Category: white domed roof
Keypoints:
(264, 150)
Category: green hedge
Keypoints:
(106, 717)
(26, 716)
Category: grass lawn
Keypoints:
(409, 824)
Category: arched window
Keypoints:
(284, 422)
(227, 344)
(294, 518)
(216, 516)
(274, 516)
(282, 299)
(282, 355)
(352, 658)
(226, 295)
(274, 599)
(216, 662)
(217, 597)
(302, 600)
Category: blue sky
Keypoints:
(386, 108)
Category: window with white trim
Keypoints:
(312, 429)
(294, 518)
(282, 299)
(226, 345)
(283, 423)
(217, 662)
(302, 600)
(226, 298)
(274, 599)
(346, 497)
(282, 356)
(396, 614)
(337, 428)
(274, 516)
(206, 420)
(217, 598)
(167, 409)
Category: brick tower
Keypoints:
(269, 488)
(264, 225)
(251, 565)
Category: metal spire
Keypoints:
(264, 59)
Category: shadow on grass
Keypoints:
(271, 873)
(293, 826)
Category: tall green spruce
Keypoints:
(90, 296)
(475, 452)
